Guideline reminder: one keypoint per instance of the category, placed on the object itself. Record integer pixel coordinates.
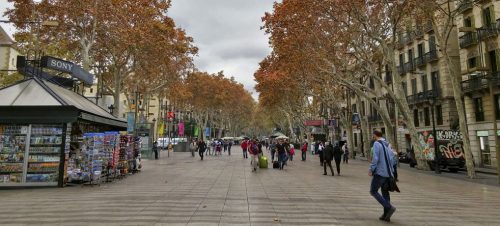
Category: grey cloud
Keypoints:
(227, 33)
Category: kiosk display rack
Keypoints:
(30, 154)
(12, 153)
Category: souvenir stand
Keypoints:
(50, 135)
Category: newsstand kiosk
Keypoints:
(41, 127)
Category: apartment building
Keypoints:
(8, 53)
(423, 71)
(480, 66)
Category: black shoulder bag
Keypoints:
(393, 187)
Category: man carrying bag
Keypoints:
(382, 175)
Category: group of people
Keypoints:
(156, 151)
(214, 147)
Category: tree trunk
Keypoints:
(117, 92)
(457, 93)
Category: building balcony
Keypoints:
(374, 118)
(419, 61)
(422, 97)
(480, 81)
(467, 40)
(486, 32)
(401, 70)
(431, 56)
(418, 33)
(464, 6)
(428, 27)
(409, 66)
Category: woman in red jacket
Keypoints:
(244, 146)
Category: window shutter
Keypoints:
(492, 14)
(497, 55)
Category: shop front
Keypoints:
(51, 136)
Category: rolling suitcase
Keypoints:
(263, 162)
(276, 165)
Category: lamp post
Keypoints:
(154, 128)
(111, 109)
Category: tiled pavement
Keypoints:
(182, 190)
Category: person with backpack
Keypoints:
(381, 171)
(254, 153)
(202, 146)
(346, 153)
(303, 149)
(337, 155)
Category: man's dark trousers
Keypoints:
(379, 182)
(329, 163)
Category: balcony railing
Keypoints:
(428, 27)
(419, 61)
(422, 97)
(480, 81)
(464, 6)
(467, 40)
(374, 118)
(401, 70)
(409, 66)
(487, 31)
(418, 33)
(431, 56)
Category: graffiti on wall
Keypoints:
(449, 144)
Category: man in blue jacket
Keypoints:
(381, 173)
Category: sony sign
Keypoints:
(57, 64)
(67, 67)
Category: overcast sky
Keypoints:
(227, 33)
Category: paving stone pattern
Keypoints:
(182, 190)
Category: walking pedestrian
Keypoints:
(346, 153)
(155, 149)
(291, 152)
(193, 147)
(282, 158)
(225, 145)
(321, 146)
(218, 147)
(229, 145)
(254, 153)
(273, 150)
(328, 157)
(381, 171)
(170, 148)
(304, 151)
(244, 147)
(202, 146)
(337, 155)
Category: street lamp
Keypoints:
(154, 127)
(111, 109)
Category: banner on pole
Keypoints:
(130, 122)
(181, 129)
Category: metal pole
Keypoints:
(436, 151)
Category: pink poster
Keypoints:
(181, 129)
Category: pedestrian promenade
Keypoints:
(182, 190)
